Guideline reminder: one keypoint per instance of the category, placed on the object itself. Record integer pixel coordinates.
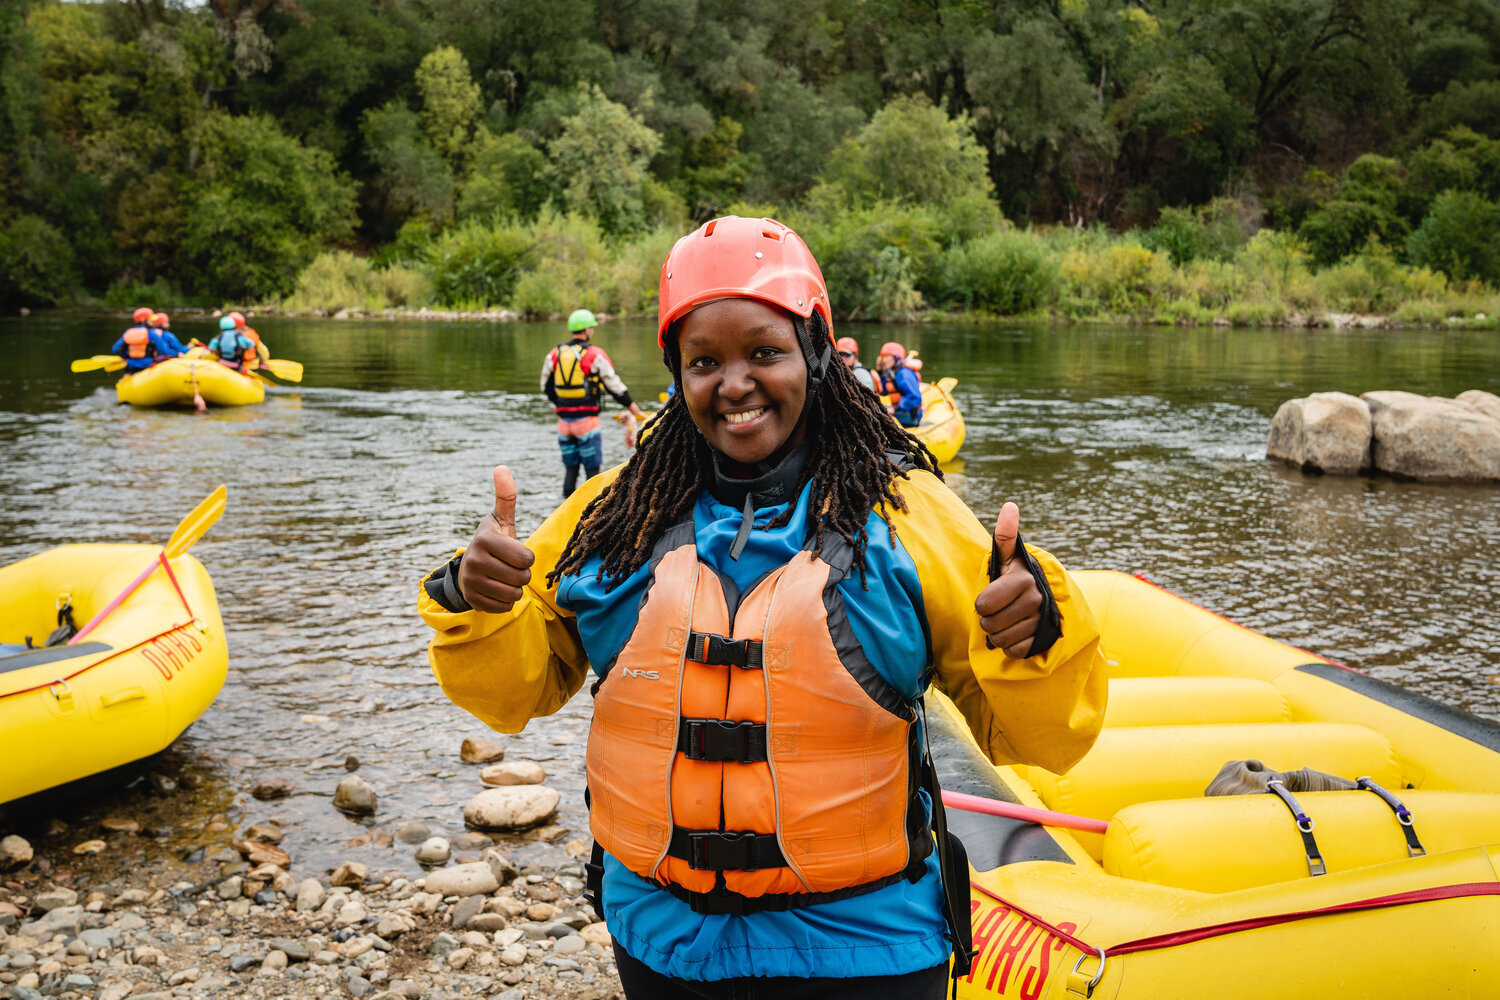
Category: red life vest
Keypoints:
(752, 759)
(137, 340)
(574, 389)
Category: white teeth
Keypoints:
(740, 418)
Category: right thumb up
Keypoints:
(505, 501)
(496, 567)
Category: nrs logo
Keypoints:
(650, 675)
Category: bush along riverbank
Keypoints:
(890, 263)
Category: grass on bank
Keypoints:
(899, 262)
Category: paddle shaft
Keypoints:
(109, 608)
(1011, 810)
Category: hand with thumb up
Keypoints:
(496, 566)
(1010, 608)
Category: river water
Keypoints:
(1132, 449)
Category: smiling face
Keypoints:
(744, 379)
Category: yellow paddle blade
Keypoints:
(284, 369)
(106, 362)
(195, 524)
(945, 385)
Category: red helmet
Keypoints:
(734, 257)
(846, 344)
(894, 349)
(143, 314)
(161, 321)
(239, 320)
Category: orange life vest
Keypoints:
(752, 759)
(137, 340)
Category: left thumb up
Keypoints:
(1007, 531)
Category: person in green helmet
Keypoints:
(575, 376)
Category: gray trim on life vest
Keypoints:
(839, 555)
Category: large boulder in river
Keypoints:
(1329, 431)
(514, 807)
(1431, 438)
(1477, 399)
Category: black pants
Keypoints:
(643, 983)
(570, 477)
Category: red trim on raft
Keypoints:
(1431, 894)
(101, 662)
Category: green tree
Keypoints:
(411, 176)
(601, 159)
(261, 207)
(1460, 237)
(910, 152)
(508, 178)
(450, 102)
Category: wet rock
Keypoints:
(514, 808)
(259, 853)
(52, 899)
(14, 851)
(355, 795)
(162, 784)
(310, 895)
(471, 841)
(119, 824)
(350, 873)
(434, 851)
(500, 863)
(413, 833)
(231, 888)
(463, 880)
(479, 751)
(1433, 439)
(295, 951)
(264, 833)
(541, 892)
(273, 788)
(517, 772)
(351, 763)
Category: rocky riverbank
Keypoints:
(120, 910)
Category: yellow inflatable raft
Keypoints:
(173, 383)
(128, 689)
(942, 428)
(1235, 897)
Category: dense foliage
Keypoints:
(538, 156)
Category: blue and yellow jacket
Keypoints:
(914, 618)
(903, 381)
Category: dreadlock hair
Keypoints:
(854, 451)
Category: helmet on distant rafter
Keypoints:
(581, 319)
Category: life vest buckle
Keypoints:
(722, 741)
(719, 651)
(726, 850)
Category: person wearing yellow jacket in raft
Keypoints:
(763, 592)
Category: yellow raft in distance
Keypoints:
(172, 383)
(942, 428)
(125, 692)
(1224, 885)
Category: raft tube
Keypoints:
(172, 383)
(125, 692)
(942, 428)
(1187, 897)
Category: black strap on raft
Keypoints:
(1315, 865)
(726, 851)
(66, 628)
(722, 741)
(718, 651)
(1414, 846)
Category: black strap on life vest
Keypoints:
(1315, 865)
(722, 741)
(1414, 846)
(953, 868)
(718, 651)
(726, 851)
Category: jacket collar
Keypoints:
(774, 483)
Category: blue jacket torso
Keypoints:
(154, 347)
(170, 345)
(909, 385)
(892, 931)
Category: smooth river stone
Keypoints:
(473, 879)
(479, 751)
(355, 795)
(1431, 438)
(512, 808)
(1329, 431)
(516, 772)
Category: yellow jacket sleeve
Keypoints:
(1044, 709)
(510, 668)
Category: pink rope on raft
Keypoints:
(1010, 810)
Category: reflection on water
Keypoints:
(1139, 450)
